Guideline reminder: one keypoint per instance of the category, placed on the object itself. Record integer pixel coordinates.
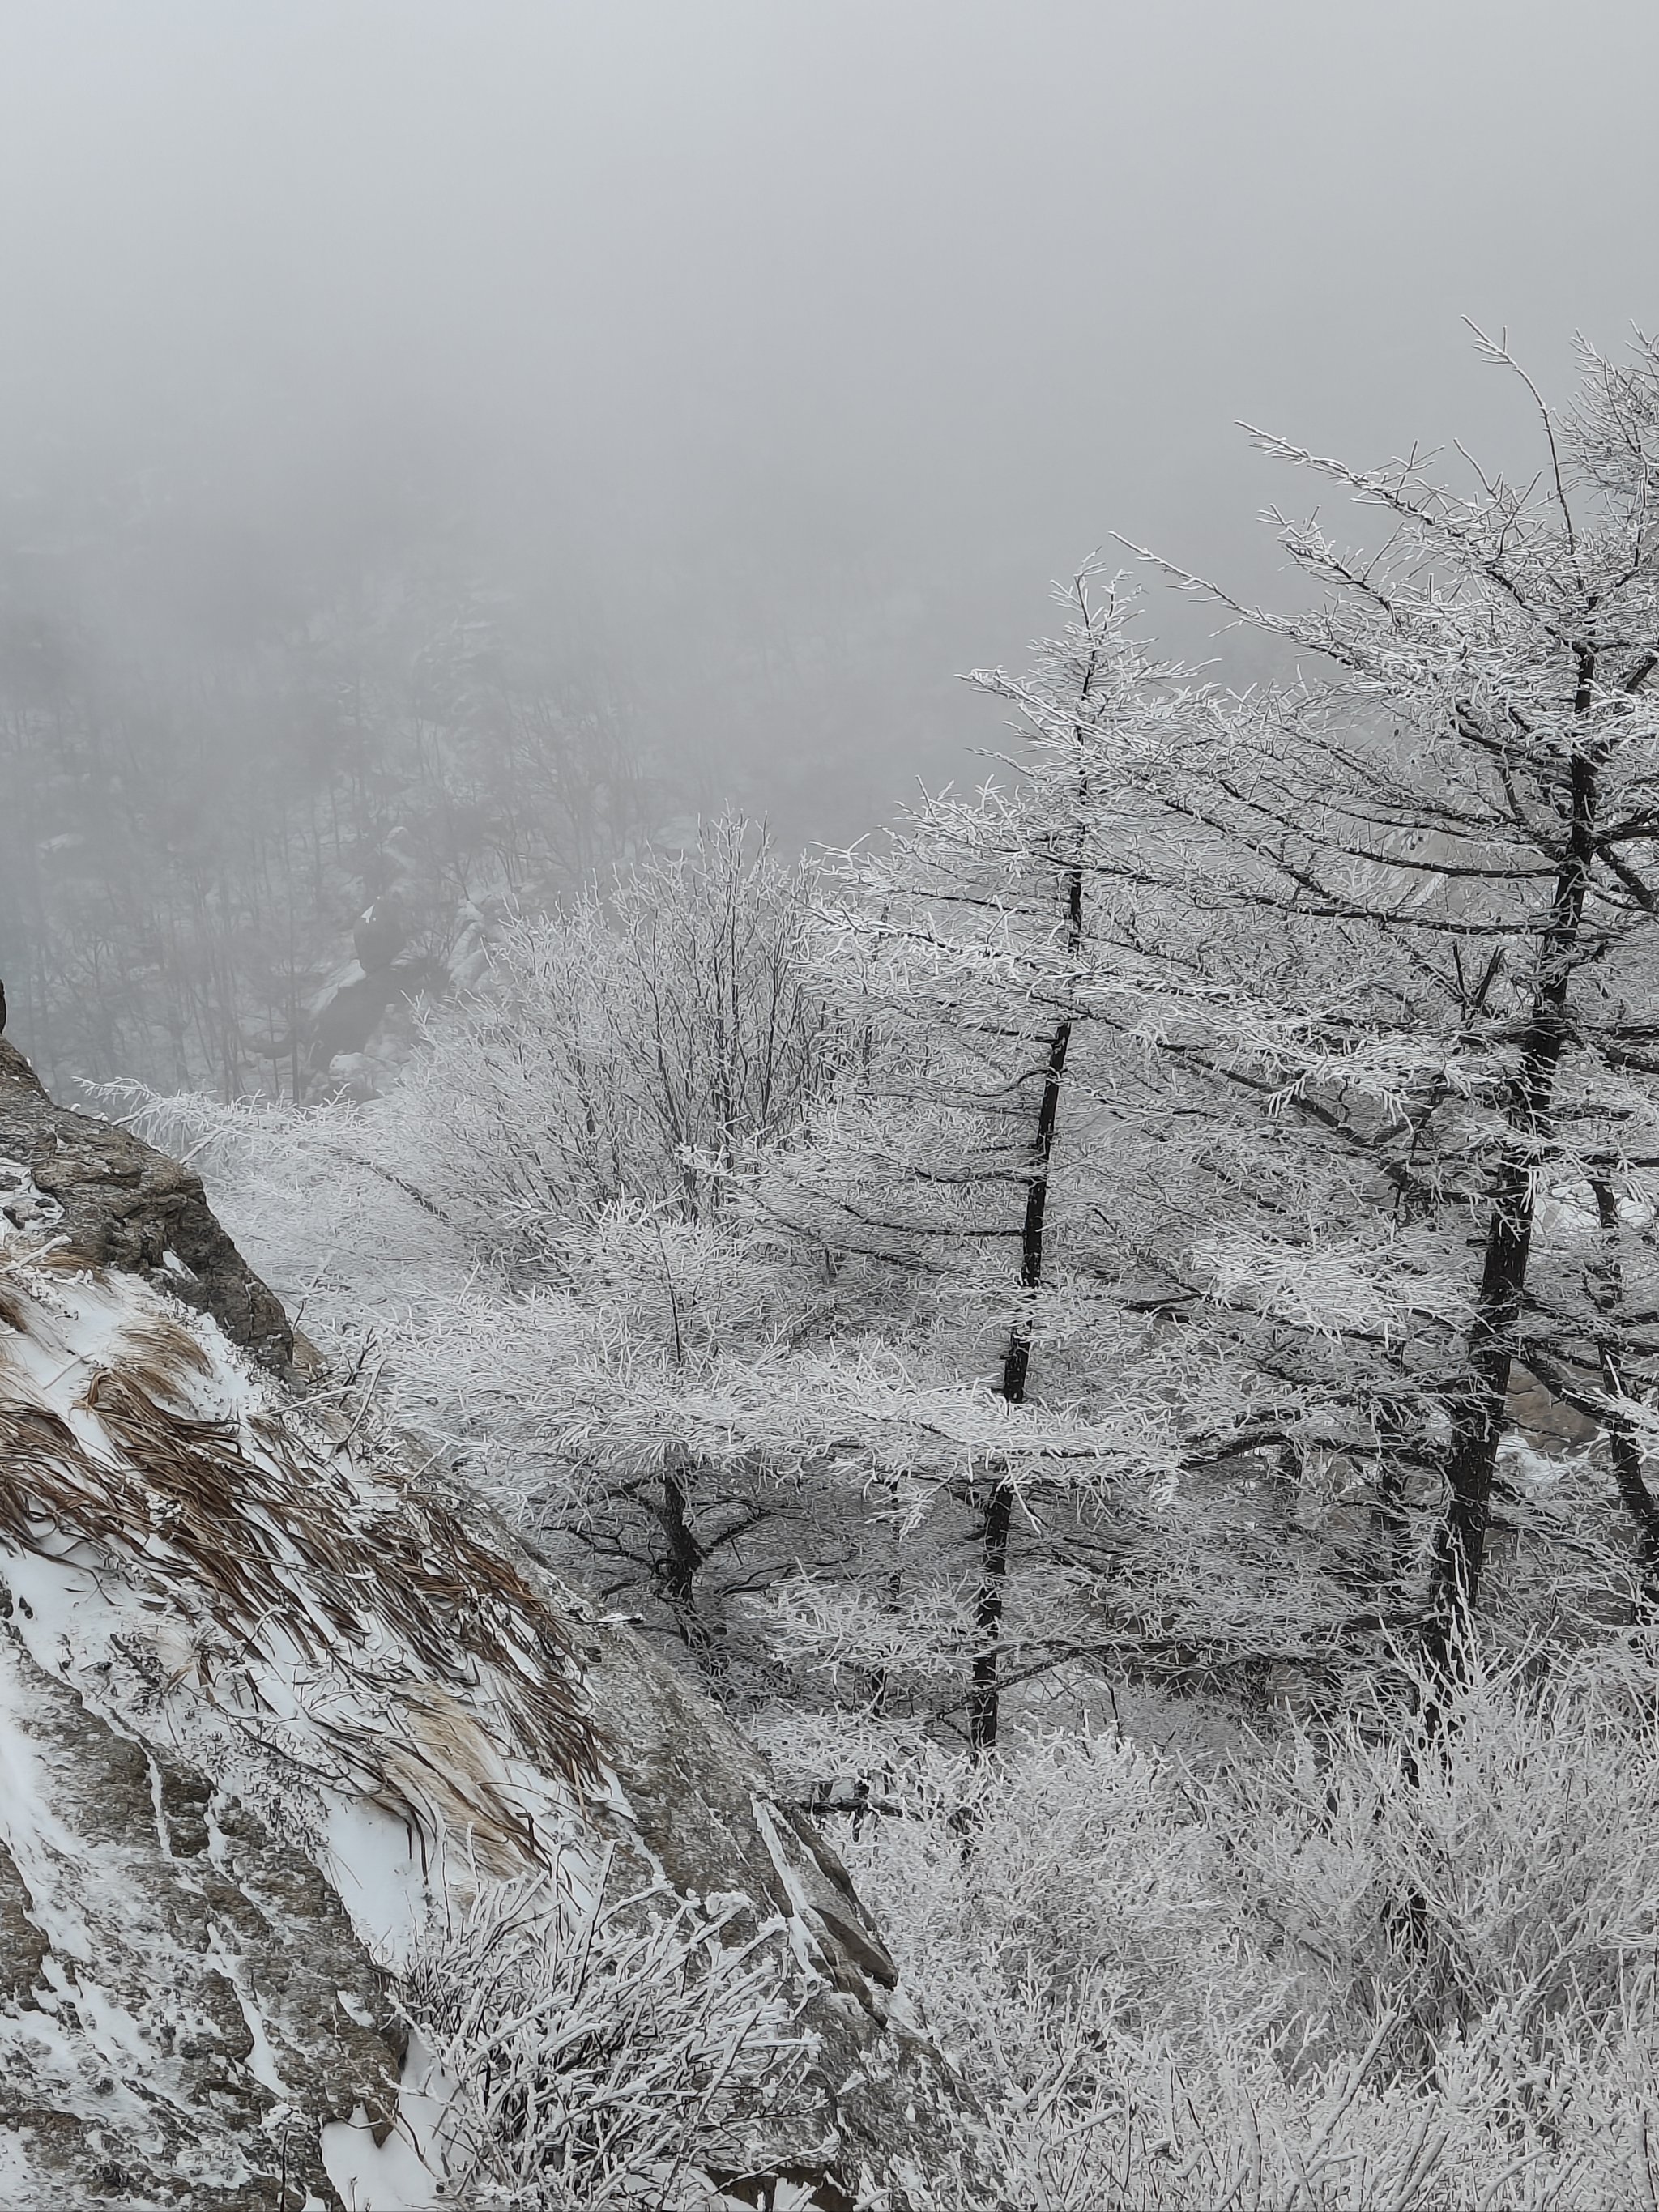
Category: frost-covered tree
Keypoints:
(1457, 821)
(1334, 999)
(957, 949)
(625, 1047)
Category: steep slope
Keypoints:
(346, 1860)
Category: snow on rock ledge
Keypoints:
(122, 1204)
(310, 1778)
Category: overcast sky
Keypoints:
(905, 301)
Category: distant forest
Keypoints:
(253, 814)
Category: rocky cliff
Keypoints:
(347, 1860)
(116, 1202)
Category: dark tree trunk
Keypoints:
(1388, 1520)
(985, 1697)
(1628, 1474)
(683, 1556)
(1479, 1405)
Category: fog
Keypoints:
(765, 359)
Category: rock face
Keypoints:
(184, 1998)
(119, 1203)
(337, 1841)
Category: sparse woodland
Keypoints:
(1033, 1309)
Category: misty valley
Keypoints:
(964, 1524)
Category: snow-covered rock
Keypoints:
(346, 1859)
(121, 1204)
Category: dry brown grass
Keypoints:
(251, 1527)
(161, 1349)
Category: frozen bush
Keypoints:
(604, 2052)
(1454, 1859)
(1405, 1961)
